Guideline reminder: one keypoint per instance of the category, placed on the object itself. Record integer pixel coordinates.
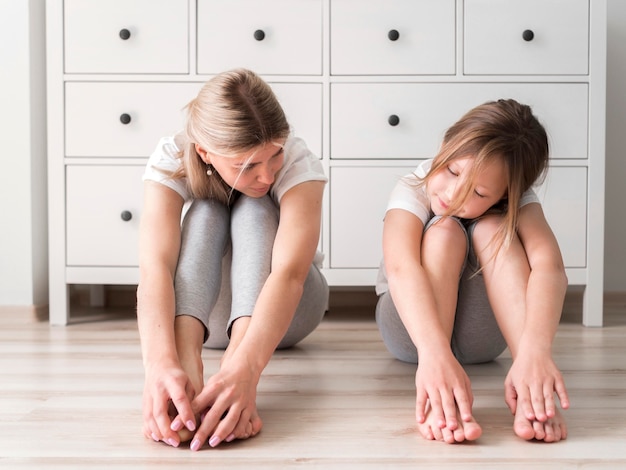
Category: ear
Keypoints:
(203, 154)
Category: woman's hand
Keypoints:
(166, 386)
(227, 405)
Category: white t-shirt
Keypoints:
(300, 165)
(407, 195)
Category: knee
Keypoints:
(445, 232)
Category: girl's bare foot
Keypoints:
(466, 430)
(551, 430)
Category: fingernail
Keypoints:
(191, 425)
(173, 442)
(195, 444)
(214, 441)
(230, 438)
(176, 425)
(155, 438)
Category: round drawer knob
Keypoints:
(393, 120)
(393, 35)
(126, 215)
(259, 35)
(528, 35)
(125, 118)
(124, 34)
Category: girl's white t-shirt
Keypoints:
(412, 197)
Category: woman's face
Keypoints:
(252, 173)
(488, 187)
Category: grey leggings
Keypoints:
(476, 336)
(224, 261)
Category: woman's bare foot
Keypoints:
(466, 430)
(551, 430)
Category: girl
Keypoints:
(242, 273)
(470, 266)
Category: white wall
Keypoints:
(615, 228)
(23, 211)
(23, 238)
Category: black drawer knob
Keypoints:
(393, 120)
(125, 118)
(259, 35)
(393, 35)
(124, 34)
(528, 35)
(126, 215)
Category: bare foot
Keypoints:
(551, 430)
(466, 430)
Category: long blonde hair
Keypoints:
(234, 112)
(506, 130)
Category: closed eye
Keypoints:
(451, 171)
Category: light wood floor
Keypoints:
(70, 399)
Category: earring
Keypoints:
(209, 170)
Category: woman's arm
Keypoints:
(254, 339)
(440, 380)
(159, 245)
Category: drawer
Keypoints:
(563, 196)
(156, 110)
(393, 37)
(537, 37)
(363, 126)
(271, 37)
(103, 211)
(96, 116)
(357, 212)
(126, 36)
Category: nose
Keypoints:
(265, 175)
(451, 192)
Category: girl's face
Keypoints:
(488, 187)
(252, 173)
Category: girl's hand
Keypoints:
(227, 405)
(531, 383)
(166, 386)
(442, 383)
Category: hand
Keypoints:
(442, 383)
(166, 386)
(531, 383)
(227, 405)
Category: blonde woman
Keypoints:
(241, 274)
(471, 267)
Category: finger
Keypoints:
(539, 403)
(464, 403)
(436, 410)
(510, 397)
(164, 423)
(209, 422)
(561, 392)
(549, 403)
(450, 411)
(421, 403)
(524, 401)
(185, 412)
(227, 426)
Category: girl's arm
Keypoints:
(159, 244)
(440, 380)
(534, 375)
(254, 339)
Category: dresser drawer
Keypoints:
(563, 196)
(408, 120)
(270, 37)
(103, 211)
(537, 37)
(126, 36)
(393, 37)
(103, 129)
(97, 116)
(357, 212)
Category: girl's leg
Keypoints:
(444, 250)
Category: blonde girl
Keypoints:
(470, 266)
(241, 274)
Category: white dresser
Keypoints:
(371, 85)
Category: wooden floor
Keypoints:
(70, 399)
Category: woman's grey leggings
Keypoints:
(476, 336)
(225, 259)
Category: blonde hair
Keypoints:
(505, 130)
(234, 112)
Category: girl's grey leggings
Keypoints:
(476, 336)
(225, 259)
